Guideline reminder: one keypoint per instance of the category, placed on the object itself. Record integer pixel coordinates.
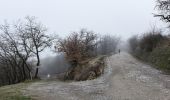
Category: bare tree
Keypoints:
(18, 44)
(163, 7)
(25, 45)
(36, 36)
(78, 46)
(12, 52)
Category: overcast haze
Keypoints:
(120, 17)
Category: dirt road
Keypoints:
(125, 78)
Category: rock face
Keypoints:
(86, 70)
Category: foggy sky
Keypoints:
(119, 17)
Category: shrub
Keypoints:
(154, 48)
(150, 40)
(160, 57)
(78, 46)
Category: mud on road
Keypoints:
(125, 78)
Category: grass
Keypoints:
(159, 58)
(13, 92)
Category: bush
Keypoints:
(150, 40)
(160, 57)
(78, 46)
(152, 47)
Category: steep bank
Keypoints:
(86, 70)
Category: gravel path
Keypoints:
(125, 78)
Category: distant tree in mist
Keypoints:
(108, 44)
(146, 42)
(133, 43)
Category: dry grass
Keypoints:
(13, 92)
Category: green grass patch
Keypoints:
(13, 92)
(159, 58)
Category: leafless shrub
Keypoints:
(150, 40)
(78, 46)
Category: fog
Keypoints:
(122, 18)
(54, 65)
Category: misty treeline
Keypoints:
(22, 42)
(146, 42)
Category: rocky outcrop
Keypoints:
(86, 70)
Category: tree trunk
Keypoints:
(38, 64)
(24, 73)
(36, 73)
(30, 74)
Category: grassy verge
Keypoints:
(159, 58)
(14, 92)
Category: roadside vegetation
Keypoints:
(84, 47)
(14, 92)
(21, 44)
(152, 47)
(20, 47)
